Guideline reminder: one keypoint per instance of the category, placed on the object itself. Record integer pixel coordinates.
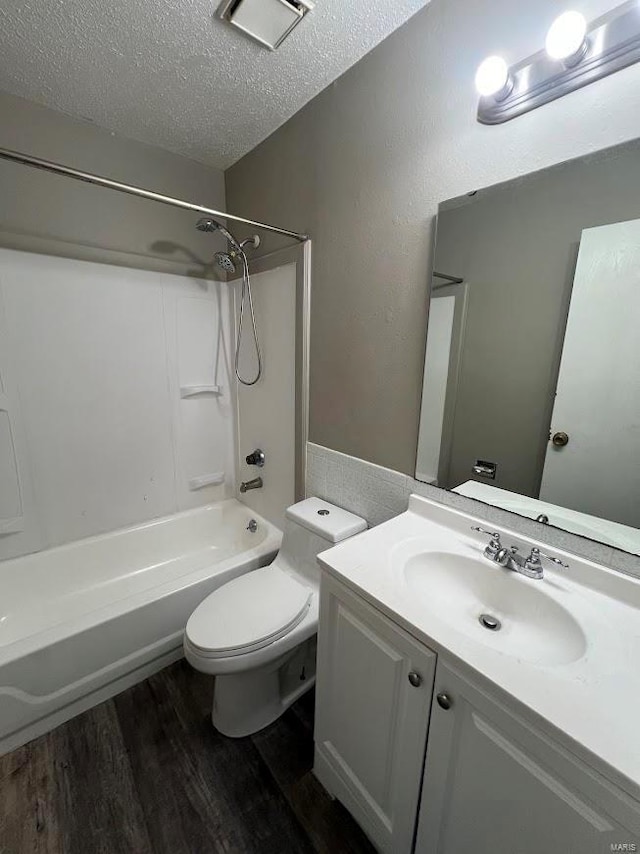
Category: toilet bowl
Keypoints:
(257, 633)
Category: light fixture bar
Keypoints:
(612, 43)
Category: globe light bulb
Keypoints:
(566, 36)
(492, 76)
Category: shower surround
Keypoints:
(94, 360)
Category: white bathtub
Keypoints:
(82, 622)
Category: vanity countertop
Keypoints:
(590, 693)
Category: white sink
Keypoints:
(471, 593)
(569, 644)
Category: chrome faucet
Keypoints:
(530, 566)
(246, 485)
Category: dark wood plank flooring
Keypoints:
(146, 773)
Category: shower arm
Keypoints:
(99, 181)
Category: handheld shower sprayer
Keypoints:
(227, 262)
(208, 224)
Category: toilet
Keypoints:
(257, 633)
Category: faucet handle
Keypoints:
(534, 562)
(494, 545)
(255, 458)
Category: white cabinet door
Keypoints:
(495, 785)
(374, 687)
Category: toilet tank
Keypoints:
(312, 526)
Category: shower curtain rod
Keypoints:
(89, 178)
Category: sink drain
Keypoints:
(487, 621)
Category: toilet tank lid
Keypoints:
(328, 521)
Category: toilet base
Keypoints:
(244, 703)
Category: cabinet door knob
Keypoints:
(415, 679)
(444, 701)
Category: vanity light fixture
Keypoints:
(566, 39)
(492, 78)
(575, 54)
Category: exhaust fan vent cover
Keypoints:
(267, 21)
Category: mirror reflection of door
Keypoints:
(445, 334)
(598, 394)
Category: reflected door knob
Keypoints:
(444, 701)
(415, 679)
(560, 439)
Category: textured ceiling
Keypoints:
(168, 72)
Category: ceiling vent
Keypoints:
(269, 22)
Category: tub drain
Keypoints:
(487, 621)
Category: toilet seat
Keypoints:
(248, 613)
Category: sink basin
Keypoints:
(531, 625)
(568, 646)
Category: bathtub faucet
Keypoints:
(256, 483)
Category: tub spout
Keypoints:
(256, 483)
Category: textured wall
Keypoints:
(45, 213)
(363, 168)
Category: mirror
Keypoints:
(531, 390)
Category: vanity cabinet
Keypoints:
(374, 688)
(493, 783)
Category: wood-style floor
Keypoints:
(146, 773)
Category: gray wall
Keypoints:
(516, 247)
(363, 167)
(46, 213)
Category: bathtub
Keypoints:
(81, 622)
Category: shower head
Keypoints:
(208, 224)
(224, 260)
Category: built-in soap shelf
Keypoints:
(195, 390)
(206, 480)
